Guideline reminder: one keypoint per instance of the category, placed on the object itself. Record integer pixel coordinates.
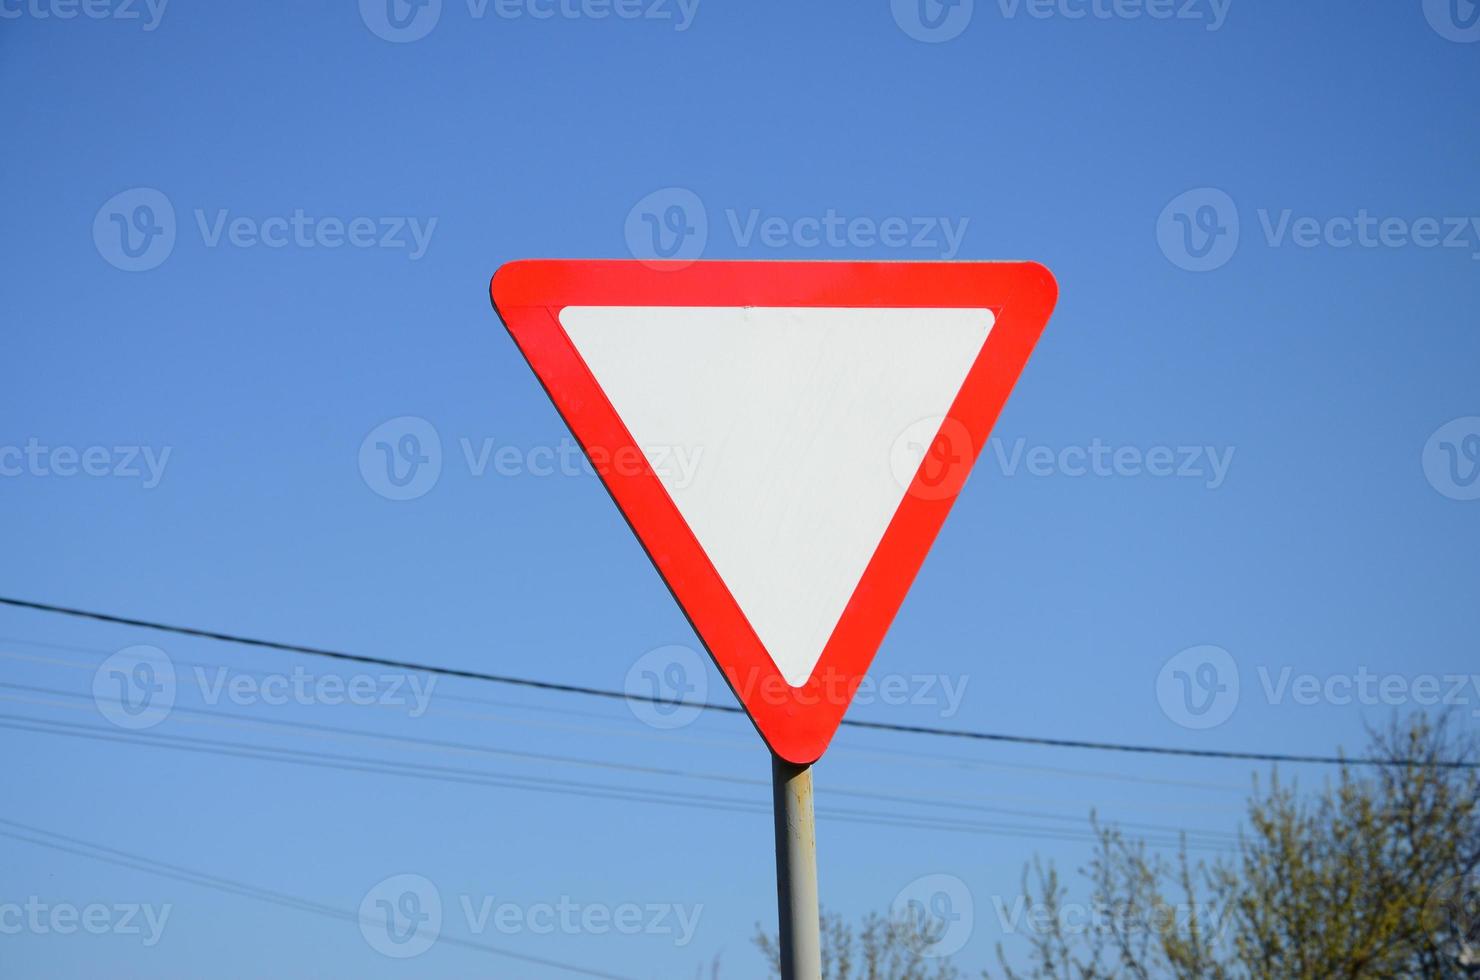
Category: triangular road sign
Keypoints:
(785, 439)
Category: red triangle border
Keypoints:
(796, 723)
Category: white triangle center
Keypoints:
(786, 437)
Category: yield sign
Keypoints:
(785, 439)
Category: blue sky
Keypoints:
(315, 198)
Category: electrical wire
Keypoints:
(110, 855)
(1202, 840)
(859, 751)
(216, 716)
(1063, 743)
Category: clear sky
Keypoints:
(240, 238)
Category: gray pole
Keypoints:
(796, 871)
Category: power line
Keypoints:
(1201, 840)
(860, 750)
(217, 717)
(136, 862)
(358, 658)
(1062, 743)
(444, 745)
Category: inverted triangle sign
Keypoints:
(784, 438)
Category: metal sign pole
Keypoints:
(796, 871)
